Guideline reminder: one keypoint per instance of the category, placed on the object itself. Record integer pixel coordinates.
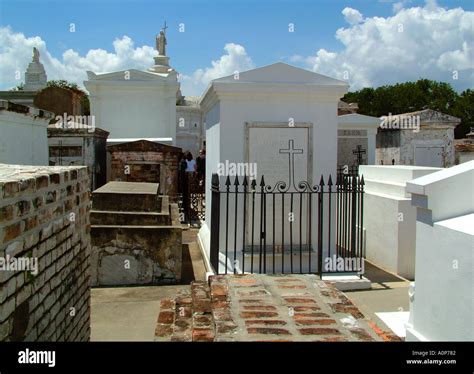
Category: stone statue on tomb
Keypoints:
(161, 41)
(35, 75)
(36, 55)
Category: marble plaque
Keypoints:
(282, 154)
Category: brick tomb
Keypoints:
(136, 236)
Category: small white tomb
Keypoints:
(281, 118)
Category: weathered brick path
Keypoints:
(263, 308)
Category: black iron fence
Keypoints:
(349, 170)
(260, 228)
(192, 199)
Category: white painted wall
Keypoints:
(213, 146)
(322, 116)
(23, 138)
(142, 107)
(389, 217)
(212, 116)
(443, 305)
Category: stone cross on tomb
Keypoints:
(359, 151)
(291, 151)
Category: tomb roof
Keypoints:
(24, 109)
(142, 145)
(430, 115)
(282, 73)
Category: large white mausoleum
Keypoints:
(133, 104)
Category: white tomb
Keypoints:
(389, 217)
(277, 117)
(24, 138)
(356, 131)
(442, 308)
(134, 103)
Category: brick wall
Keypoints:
(60, 100)
(44, 219)
(145, 161)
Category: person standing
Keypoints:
(190, 163)
(201, 166)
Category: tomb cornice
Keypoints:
(129, 84)
(77, 132)
(276, 89)
(25, 119)
(438, 125)
(287, 96)
(186, 108)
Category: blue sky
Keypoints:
(259, 27)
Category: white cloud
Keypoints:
(16, 52)
(396, 7)
(235, 59)
(352, 16)
(418, 42)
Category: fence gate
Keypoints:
(191, 199)
(303, 228)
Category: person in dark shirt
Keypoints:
(201, 166)
(201, 163)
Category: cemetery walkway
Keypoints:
(263, 308)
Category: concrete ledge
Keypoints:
(128, 196)
(414, 336)
(385, 188)
(348, 282)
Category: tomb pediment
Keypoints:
(281, 73)
(276, 80)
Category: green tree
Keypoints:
(20, 87)
(63, 83)
(464, 109)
